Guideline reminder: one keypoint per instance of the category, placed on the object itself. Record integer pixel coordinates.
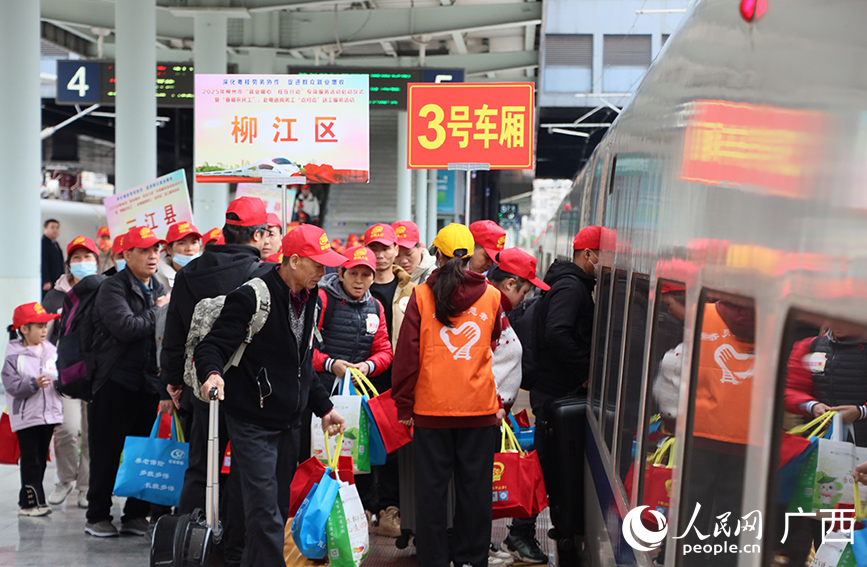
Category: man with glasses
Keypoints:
(266, 394)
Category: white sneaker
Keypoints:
(503, 556)
(82, 500)
(495, 562)
(34, 511)
(61, 491)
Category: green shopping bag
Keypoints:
(347, 529)
(356, 438)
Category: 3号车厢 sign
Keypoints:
(155, 204)
(478, 123)
(280, 129)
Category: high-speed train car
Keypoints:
(75, 218)
(733, 192)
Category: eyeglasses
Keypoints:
(262, 396)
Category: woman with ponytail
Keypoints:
(442, 383)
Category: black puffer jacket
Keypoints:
(567, 319)
(345, 332)
(219, 270)
(843, 381)
(124, 340)
(273, 366)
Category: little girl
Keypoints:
(35, 407)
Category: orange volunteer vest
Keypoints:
(725, 382)
(455, 377)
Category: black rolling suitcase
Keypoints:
(188, 540)
(563, 464)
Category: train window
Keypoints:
(630, 390)
(714, 458)
(822, 366)
(662, 397)
(615, 340)
(600, 332)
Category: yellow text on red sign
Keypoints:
(488, 123)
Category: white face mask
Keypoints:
(182, 260)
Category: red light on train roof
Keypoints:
(752, 10)
(567, 206)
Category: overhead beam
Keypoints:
(97, 13)
(401, 24)
(460, 43)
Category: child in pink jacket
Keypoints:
(34, 405)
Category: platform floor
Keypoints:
(59, 539)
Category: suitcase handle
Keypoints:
(212, 486)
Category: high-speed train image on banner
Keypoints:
(731, 296)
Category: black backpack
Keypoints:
(76, 359)
(526, 319)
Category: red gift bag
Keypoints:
(522, 418)
(394, 434)
(227, 460)
(657, 482)
(309, 473)
(518, 487)
(9, 450)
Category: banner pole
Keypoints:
(467, 188)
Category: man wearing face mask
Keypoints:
(73, 461)
(566, 326)
(184, 244)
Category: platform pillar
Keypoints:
(404, 175)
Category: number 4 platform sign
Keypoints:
(470, 123)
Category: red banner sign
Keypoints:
(484, 123)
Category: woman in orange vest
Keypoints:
(442, 383)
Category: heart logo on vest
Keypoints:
(727, 356)
(469, 331)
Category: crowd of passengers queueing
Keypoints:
(381, 303)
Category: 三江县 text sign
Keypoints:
(489, 123)
(273, 128)
(156, 204)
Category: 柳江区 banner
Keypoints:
(278, 129)
(470, 123)
(155, 204)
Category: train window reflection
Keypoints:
(600, 332)
(630, 390)
(615, 340)
(715, 456)
(822, 370)
(662, 399)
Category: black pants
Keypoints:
(526, 527)
(115, 413)
(33, 442)
(266, 460)
(466, 453)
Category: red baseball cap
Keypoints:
(81, 242)
(308, 241)
(251, 211)
(273, 220)
(380, 232)
(212, 235)
(103, 231)
(489, 236)
(407, 233)
(275, 257)
(119, 246)
(181, 230)
(519, 263)
(141, 237)
(588, 237)
(31, 313)
(359, 256)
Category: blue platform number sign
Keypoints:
(77, 81)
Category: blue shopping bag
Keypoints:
(308, 526)
(378, 454)
(525, 435)
(152, 469)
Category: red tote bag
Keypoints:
(394, 434)
(518, 488)
(9, 450)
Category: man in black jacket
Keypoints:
(219, 270)
(274, 382)
(126, 386)
(52, 255)
(566, 314)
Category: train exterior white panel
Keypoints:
(738, 167)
